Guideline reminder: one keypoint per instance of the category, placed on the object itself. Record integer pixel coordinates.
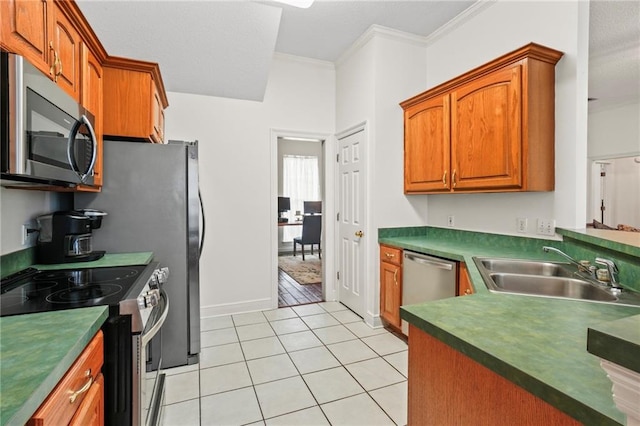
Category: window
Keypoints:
(301, 182)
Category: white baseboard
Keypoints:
(236, 308)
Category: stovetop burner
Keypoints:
(40, 291)
(93, 293)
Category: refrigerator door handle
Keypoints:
(203, 223)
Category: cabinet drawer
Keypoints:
(62, 403)
(390, 254)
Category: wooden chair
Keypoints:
(311, 231)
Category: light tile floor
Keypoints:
(317, 364)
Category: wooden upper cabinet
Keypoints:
(134, 100)
(65, 44)
(486, 132)
(25, 29)
(91, 99)
(157, 114)
(40, 31)
(426, 146)
(489, 130)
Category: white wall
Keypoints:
(384, 68)
(236, 171)
(495, 30)
(19, 206)
(614, 137)
(614, 132)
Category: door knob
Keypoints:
(359, 234)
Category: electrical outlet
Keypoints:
(546, 227)
(25, 234)
(521, 224)
(450, 221)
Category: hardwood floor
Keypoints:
(290, 293)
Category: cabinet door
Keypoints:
(464, 282)
(127, 103)
(486, 131)
(426, 146)
(157, 114)
(24, 30)
(66, 44)
(91, 411)
(390, 292)
(69, 394)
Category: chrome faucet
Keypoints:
(547, 249)
(613, 271)
(591, 270)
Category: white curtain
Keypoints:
(301, 182)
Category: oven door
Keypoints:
(150, 384)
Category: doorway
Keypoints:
(300, 194)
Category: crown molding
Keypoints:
(384, 32)
(460, 19)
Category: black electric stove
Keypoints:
(31, 291)
(138, 307)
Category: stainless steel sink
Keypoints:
(550, 287)
(548, 279)
(515, 266)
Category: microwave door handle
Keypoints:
(94, 147)
(71, 143)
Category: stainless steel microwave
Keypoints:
(47, 136)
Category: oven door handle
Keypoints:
(153, 330)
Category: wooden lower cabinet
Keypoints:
(449, 388)
(78, 398)
(390, 285)
(464, 282)
(91, 411)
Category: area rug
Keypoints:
(308, 271)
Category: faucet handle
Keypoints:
(608, 263)
(611, 267)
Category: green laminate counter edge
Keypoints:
(539, 344)
(602, 242)
(108, 260)
(36, 350)
(617, 341)
(583, 390)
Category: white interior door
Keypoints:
(351, 164)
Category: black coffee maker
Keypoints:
(65, 236)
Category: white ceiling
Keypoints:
(224, 48)
(614, 52)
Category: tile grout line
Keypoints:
(288, 353)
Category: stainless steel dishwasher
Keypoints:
(426, 278)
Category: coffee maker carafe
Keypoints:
(65, 236)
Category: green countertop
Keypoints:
(537, 343)
(109, 259)
(617, 341)
(36, 350)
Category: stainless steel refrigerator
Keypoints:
(151, 195)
